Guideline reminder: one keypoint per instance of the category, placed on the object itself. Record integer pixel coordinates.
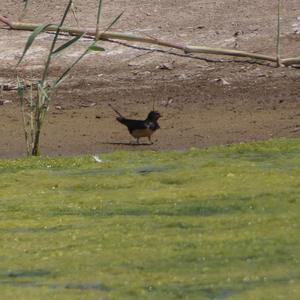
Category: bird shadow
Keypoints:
(127, 144)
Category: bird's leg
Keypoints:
(138, 141)
(149, 138)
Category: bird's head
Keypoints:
(153, 115)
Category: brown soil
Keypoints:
(203, 103)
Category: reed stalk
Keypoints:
(34, 112)
(278, 33)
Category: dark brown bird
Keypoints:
(140, 128)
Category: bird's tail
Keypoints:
(120, 118)
(115, 110)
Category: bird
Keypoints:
(140, 128)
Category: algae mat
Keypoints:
(221, 223)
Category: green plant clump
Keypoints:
(221, 223)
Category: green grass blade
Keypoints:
(67, 44)
(44, 96)
(115, 20)
(32, 37)
(47, 64)
(96, 48)
(58, 81)
(92, 47)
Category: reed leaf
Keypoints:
(47, 64)
(67, 44)
(31, 39)
(92, 47)
(44, 92)
(95, 48)
(115, 21)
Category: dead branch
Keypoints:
(91, 33)
(290, 61)
(13, 86)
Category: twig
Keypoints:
(6, 21)
(73, 9)
(151, 50)
(12, 86)
(191, 56)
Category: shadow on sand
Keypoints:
(127, 144)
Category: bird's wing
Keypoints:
(133, 124)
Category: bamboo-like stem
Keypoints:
(90, 33)
(25, 129)
(98, 20)
(36, 143)
(37, 123)
(220, 51)
(290, 61)
(278, 34)
(31, 116)
(21, 86)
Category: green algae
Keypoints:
(221, 223)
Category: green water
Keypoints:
(221, 223)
